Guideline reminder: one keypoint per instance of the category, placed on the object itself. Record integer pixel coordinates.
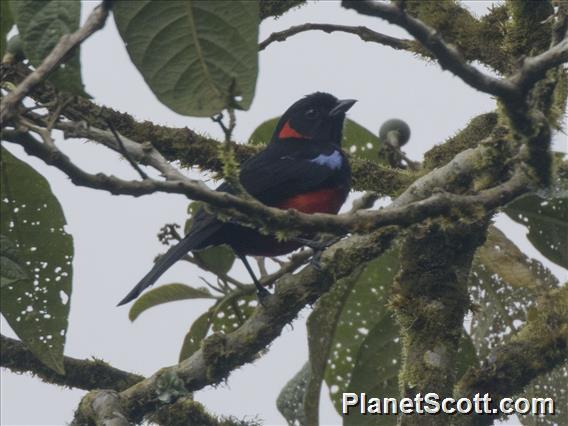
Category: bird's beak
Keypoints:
(342, 107)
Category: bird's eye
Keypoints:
(311, 113)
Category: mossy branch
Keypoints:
(79, 373)
(221, 354)
(186, 146)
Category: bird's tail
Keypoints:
(162, 265)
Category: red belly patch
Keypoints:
(327, 200)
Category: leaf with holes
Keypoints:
(547, 222)
(357, 140)
(41, 23)
(376, 370)
(338, 325)
(504, 293)
(232, 311)
(550, 385)
(198, 57)
(37, 307)
(290, 401)
(193, 338)
(545, 214)
(165, 294)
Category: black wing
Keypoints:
(270, 176)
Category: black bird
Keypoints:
(303, 167)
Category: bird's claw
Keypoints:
(315, 261)
(263, 295)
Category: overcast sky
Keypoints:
(115, 237)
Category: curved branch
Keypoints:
(95, 22)
(405, 211)
(363, 33)
(448, 57)
(512, 89)
(221, 354)
(81, 374)
(186, 146)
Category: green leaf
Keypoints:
(547, 222)
(360, 142)
(504, 293)
(165, 294)
(193, 338)
(41, 23)
(338, 325)
(217, 259)
(263, 133)
(232, 311)
(503, 290)
(290, 401)
(503, 258)
(357, 140)
(376, 370)
(37, 307)
(551, 385)
(11, 268)
(6, 24)
(198, 57)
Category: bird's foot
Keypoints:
(262, 294)
(318, 246)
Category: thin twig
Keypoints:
(125, 153)
(364, 33)
(94, 22)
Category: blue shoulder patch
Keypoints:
(333, 160)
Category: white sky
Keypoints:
(115, 237)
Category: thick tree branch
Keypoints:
(405, 211)
(534, 68)
(95, 22)
(101, 407)
(510, 90)
(364, 33)
(448, 57)
(221, 354)
(81, 374)
(185, 145)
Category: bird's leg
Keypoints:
(318, 246)
(261, 292)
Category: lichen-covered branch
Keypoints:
(101, 407)
(95, 22)
(447, 56)
(416, 204)
(186, 146)
(511, 90)
(79, 373)
(220, 354)
(539, 347)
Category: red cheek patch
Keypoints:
(288, 132)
